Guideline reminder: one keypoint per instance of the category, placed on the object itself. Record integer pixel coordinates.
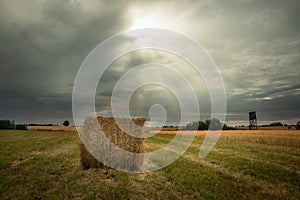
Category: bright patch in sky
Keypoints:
(144, 19)
(267, 98)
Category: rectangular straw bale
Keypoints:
(118, 137)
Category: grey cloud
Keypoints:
(42, 46)
(255, 44)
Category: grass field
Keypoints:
(243, 165)
(51, 128)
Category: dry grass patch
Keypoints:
(52, 128)
(271, 137)
(51, 170)
(289, 138)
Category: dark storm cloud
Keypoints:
(255, 44)
(42, 46)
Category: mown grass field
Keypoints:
(243, 165)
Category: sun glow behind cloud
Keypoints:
(148, 19)
(228, 30)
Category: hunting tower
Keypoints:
(252, 120)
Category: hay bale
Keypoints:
(87, 160)
(103, 150)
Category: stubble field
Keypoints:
(258, 164)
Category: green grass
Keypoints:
(45, 165)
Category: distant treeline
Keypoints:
(211, 124)
(41, 125)
(275, 124)
(7, 124)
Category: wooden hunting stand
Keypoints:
(252, 121)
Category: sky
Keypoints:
(255, 45)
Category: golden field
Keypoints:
(256, 164)
(272, 137)
(51, 128)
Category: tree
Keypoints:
(214, 124)
(192, 126)
(7, 124)
(66, 123)
(226, 127)
(276, 124)
(202, 125)
(298, 126)
(21, 127)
